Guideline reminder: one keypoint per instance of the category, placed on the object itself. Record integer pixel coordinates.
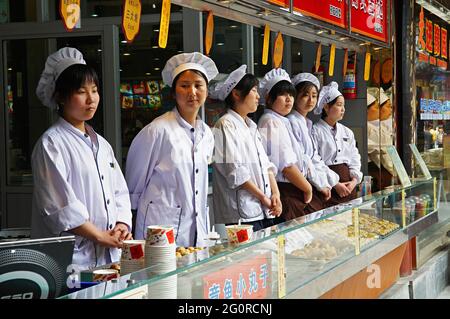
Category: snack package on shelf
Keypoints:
(127, 101)
(139, 88)
(152, 87)
(125, 88)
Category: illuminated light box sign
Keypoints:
(432, 44)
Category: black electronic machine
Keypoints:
(35, 268)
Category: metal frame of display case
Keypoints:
(193, 269)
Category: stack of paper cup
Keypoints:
(160, 249)
(133, 257)
(165, 288)
(160, 258)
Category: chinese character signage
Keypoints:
(131, 19)
(432, 44)
(164, 24)
(70, 13)
(370, 18)
(244, 280)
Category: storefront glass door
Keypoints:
(26, 119)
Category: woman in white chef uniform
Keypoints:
(336, 144)
(79, 187)
(243, 177)
(280, 144)
(307, 87)
(167, 163)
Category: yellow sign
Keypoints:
(367, 67)
(344, 66)
(278, 51)
(265, 52)
(318, 55)
(332, 57)
(355, 222)
(209, 32)
(403, 208)
(70, 13)
(281, 267)
(164, 24)
(131, 19)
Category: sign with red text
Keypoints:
(249, 279)
(370, 18)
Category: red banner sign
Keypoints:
(244, 280)
(370, 18)
(331, 11)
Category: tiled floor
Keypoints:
(445, 294)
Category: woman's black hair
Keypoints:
(71, 80)
(174, 82)
(278, 89)
(303, 87)
(245, 85)
(324, 115)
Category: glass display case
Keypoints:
(309, 257)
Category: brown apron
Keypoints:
(292, 200)
(344, 176)
(317, 203)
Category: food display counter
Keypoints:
(353, 250)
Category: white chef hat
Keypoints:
(188, 61)
(270, 79)
(303, 77)
(327, 94)
(370, 99)
(222, 89)
(383, 96)
(56, 63)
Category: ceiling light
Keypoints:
(127, 54)
(94, 15)
(99, 50)
(155, 47)
(148, 73)
(156, 69)
(123, 41)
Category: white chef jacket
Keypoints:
(302, 129)
(378, 140)
(77, 179)
(167, 174)
(280, 144)
(338, 146)
(239, 156)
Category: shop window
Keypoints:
(381, 129)
(26, 118)
(17, 10)
(143, 96)
(113, 8)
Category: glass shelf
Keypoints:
(311, 246)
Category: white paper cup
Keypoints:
(160, 235)
(239, 233)
(133, 250)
